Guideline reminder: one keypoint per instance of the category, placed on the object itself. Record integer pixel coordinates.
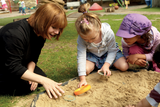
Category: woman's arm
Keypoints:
(51, 87)
(31, 66)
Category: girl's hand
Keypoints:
(105, 69)
(141, 62)
(33, 85)
(108, 72)
(82, 81)
(132, 58)
(52, 88)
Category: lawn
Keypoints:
(58, 58)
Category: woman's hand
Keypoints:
(105, 69)
(52, 88)
(33, 85)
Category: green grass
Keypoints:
(4, 21)
(97, 11)
(58, 58)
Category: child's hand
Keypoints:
(141, 62)
(105, 69)
(82, 81)
(132, 58)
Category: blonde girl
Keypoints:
(96, 47)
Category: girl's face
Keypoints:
(52, 31)
(131, 41)
(92, 37)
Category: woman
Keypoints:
(21, 43)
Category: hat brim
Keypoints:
(124, 34)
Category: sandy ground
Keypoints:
(119, 90)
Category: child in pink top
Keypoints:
(139, 39)
(153, 98)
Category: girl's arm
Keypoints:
(111, 45)
(150, 55)
(81, 56)
(31, 67)
(153, 45)
(81, 61)
(112, 50)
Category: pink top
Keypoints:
(153, 44)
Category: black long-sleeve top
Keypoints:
(19, 45)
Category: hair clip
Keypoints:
(85, 12)
(86, 21)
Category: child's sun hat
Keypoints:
(134, 24)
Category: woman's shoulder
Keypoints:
(16, 28)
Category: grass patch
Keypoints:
(97, 11)
(58, 58)
(4, 21)
(70, 11)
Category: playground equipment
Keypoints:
(6, 7)
(120, 3)
(95, 7)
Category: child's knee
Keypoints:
(124, 67)
(89, 70)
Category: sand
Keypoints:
(119, 90)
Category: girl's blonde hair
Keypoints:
(87, 22)
(47, 15)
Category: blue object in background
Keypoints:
(149, 3)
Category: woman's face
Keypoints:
(131, 41)
(52, 31)
(92, 37)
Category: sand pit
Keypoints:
(119, 90)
